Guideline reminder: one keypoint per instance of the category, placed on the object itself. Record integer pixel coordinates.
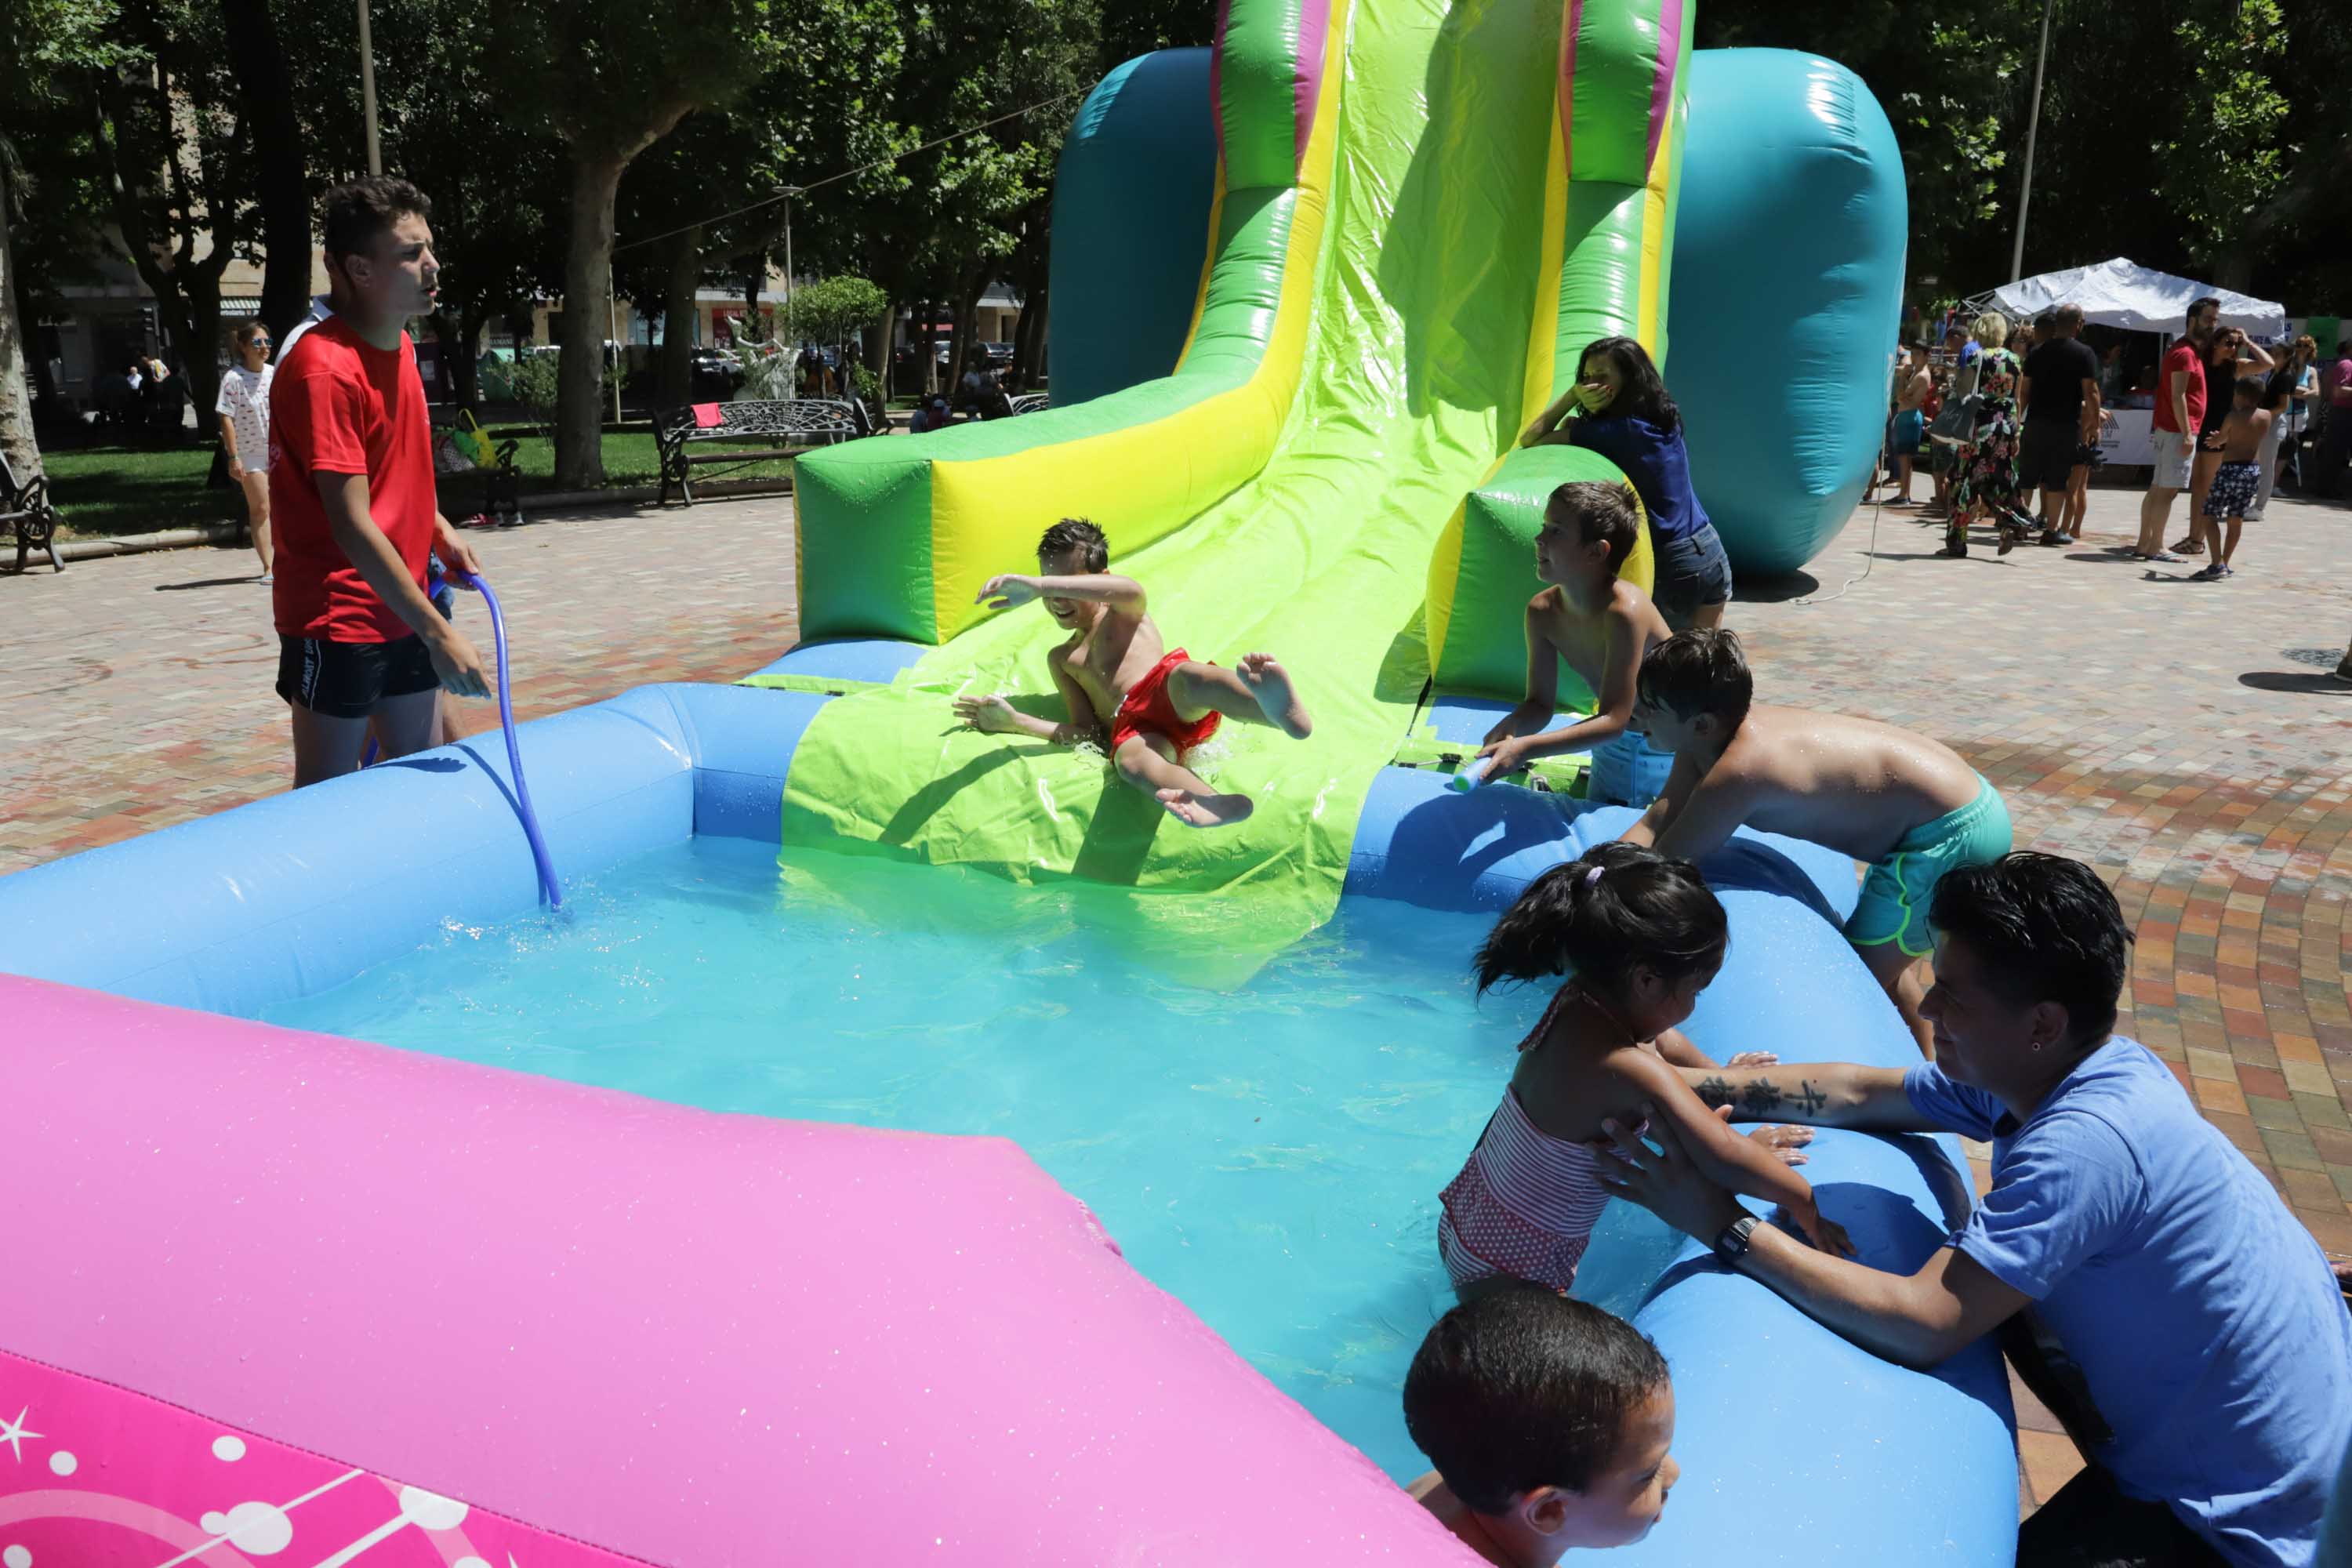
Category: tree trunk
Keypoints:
(263, 84)
(200, 354)
(675, 382)
(973, 282)
(587, 307)
(930, 339)
(1029, 340)
(15, 408)
(465, 367)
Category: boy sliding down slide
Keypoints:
(1908, 805)
(1158, 704)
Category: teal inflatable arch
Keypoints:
(1786, 293)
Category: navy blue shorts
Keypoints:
(1692, 571)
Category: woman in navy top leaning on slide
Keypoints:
(1624, 414)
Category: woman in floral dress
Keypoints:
(1987, 471)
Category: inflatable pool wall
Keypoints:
(1793, 195)
(511, 1291)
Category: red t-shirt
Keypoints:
(339, 406)
(2184, 356)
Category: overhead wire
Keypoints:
(787, 193)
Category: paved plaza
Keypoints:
(2185, 738)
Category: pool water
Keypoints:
(1267, 1145)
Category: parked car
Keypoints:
(999, 354)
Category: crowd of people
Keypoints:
(2140, 1274)
(2008, 412)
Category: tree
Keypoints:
(175, 157)
(266, 90)
(43, 44)
(612, 77)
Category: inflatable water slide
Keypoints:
(283, 1296)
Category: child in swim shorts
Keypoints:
(1551, 1422)
(1597, 624)
(2238, 479)
(1907, 806)
(1639, 936)
(1118, 677)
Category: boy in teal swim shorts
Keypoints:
(1907, 804)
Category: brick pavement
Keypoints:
(2184, 738)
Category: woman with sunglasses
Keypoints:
(244, 410)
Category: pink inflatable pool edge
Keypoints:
(280, 1293)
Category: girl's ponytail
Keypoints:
(1616, 906)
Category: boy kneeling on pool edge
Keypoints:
(1115, 674)
(1549, 1421)
(1910, 807)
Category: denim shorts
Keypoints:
(1692, 571)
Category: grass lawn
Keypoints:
(109, 490)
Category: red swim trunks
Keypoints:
(1148, 711)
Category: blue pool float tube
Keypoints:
(1850, 1458)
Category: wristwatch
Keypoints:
(1732, 1244)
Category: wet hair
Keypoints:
(2250, 388)
(1521, 1387)
(1598, 511)
(1642, 394)
(1697, 671)
(1077, 534)
(2048, 930)
(2188, 317)
(2067, 318)
(354, 216)
(1992, 329)
(1617, 907)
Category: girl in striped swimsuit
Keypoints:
(1641, 936)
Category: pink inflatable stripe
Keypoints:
(1662, 90)
(1570, 25)
(1314, 27)
(683, 1337)
(107, 1479)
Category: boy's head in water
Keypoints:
(1071, 548)
(1549, 1421)
(1589, 527)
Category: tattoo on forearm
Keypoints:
(1762, 1097)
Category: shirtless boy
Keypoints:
(1115, 674)
(2236, 481)
(1589, 617)
(1908, 805)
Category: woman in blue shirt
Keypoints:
(1624, 414)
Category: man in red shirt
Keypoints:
(2179, 405)
(350, 497)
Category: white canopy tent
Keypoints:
(2121, 293)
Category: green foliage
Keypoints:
(532, 377)
(832, 310)
(2218, 167)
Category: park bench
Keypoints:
(26, 508)
(1032, 402)
(703, 435)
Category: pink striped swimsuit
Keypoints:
(1525, 1204)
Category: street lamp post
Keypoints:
(367, 91)
(2033, 125)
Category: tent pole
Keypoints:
(2033, 125)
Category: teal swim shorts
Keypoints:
(1897, 891)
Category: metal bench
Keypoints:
(780, 428)
(1032, 402)
(26, 509)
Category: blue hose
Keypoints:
(548, 885)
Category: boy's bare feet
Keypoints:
(1270, 684)
(1201, 810)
